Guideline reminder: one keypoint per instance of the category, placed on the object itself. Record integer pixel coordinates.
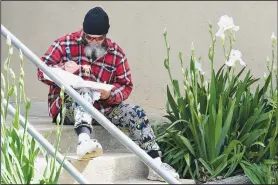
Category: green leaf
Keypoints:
(188, 145)
(225, 128)
(234, 161)
(6, 176)
(12, 168)
(176, 88)
(206, 165)
(176, 160)
(262, 153)
(210, 127)
(233, 144)
(185, 170)
(264, 89)
(187, 159)
(270, 161)
(263, 117)
(180, 153)
(258, 143)
(219, 169)
(220, 71)
(155, 128)
(218, 126)
(273, 149)
(59, 171)
(182, 108)
(218, 160)
(251, 122)
(256, 173)
(255, 100)
(166, 63)
(26, 170)
(197, 169)
(171, 117)
(212, 91)
(169, 151)
(172, 103)
(241, 88)
(192, 65)
(202, 136)
(253, 136)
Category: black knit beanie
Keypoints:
(96, 22)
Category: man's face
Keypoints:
(94, 45)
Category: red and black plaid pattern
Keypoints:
(113, 68)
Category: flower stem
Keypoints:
(212, 51)
(231, 44)
(224, 49)
(271, 71)
(7, 64)
(167, 60)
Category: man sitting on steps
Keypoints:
(91, 55)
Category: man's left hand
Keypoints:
(104, 95)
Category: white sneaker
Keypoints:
(155, 177)
(88, 149)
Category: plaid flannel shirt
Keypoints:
(113, 68)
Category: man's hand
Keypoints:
(71, 66)
(104, 95)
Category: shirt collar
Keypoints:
(79, 35)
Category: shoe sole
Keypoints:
(98, 152)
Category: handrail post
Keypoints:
(110, 127)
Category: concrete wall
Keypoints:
(137, 27)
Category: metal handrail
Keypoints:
(108, 125)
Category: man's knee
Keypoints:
(138, 114)
(134, 107)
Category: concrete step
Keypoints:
(68, 142)
(110, 168)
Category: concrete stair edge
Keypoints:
(114, 168)
(111, 168)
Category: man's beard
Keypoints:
(95, 50)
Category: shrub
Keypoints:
(19, 150)
(215, 125)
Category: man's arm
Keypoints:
(123, 83)
(52, 57)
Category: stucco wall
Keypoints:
(137, 27)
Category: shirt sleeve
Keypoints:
(123, 83)
(52, 57)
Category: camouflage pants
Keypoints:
(125, 116)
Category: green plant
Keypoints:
(19, 150)
(214, 125)
(261, 173)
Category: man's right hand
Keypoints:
(71, 66)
